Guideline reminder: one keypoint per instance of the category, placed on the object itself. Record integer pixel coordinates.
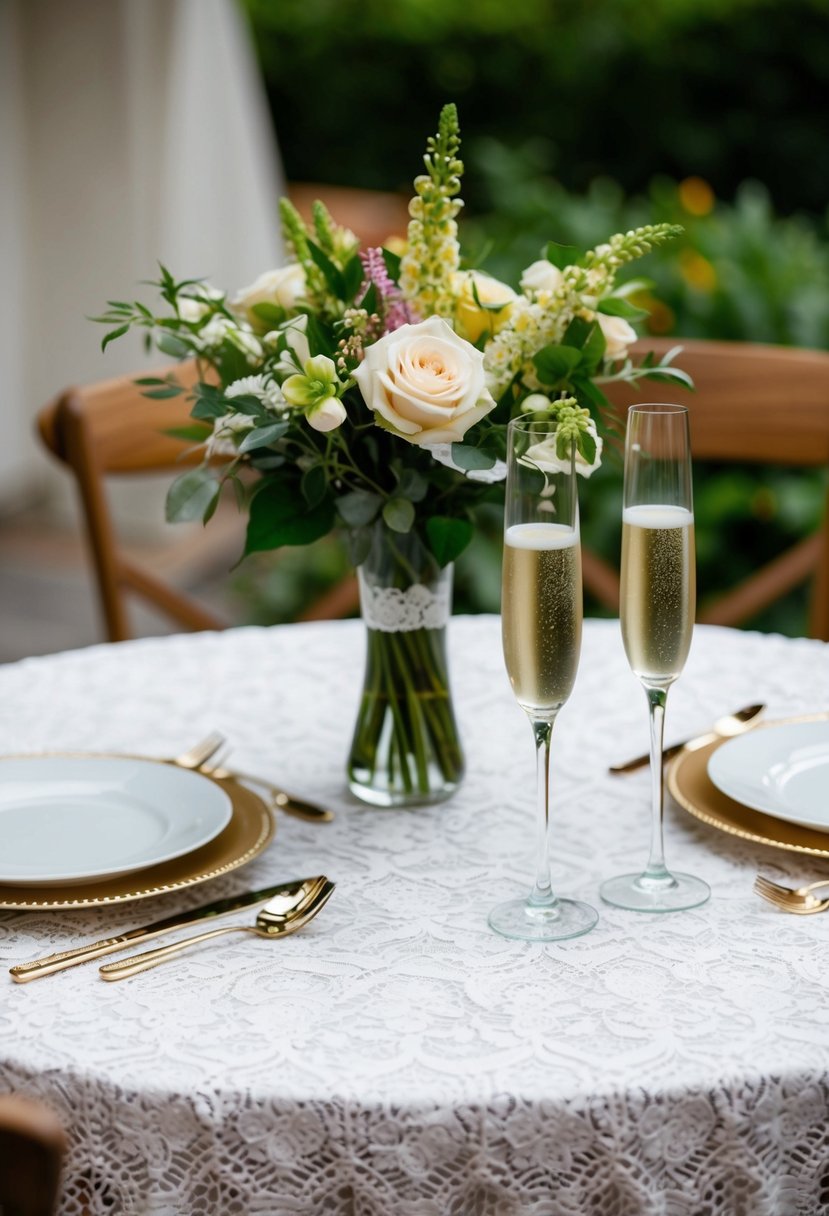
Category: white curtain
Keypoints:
(131, 131)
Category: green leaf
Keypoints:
(466, 457)
(578, 332)
(556, 363)
(562, 255)
(113, 334)
(261, 436)
(161, 394)
(279, 516)
(353, 275)
(448, 537)
(358, 507)
(392, 261)
(197, 433)
(333, 275)
(614, 306)
(171, 345)
(270, 313)
(587, 446)
(314, 485)
(149, 381)
(399, 514)
(191, 496)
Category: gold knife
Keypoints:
(24, 972)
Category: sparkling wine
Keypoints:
(541, 614)
(658, 589)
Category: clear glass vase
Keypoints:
(406, 750)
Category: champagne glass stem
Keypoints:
(655, 868)
(542, 893)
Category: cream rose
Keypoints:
(425, 383)
(471, 318)
(618, 335)
(541, 276)
(544, 456)
(284, 287)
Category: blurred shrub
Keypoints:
(624, 88)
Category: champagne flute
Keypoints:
(541, 614)
(658, 602)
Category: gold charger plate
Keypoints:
(249, 832)
(696, 793)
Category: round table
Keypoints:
(396, 1058)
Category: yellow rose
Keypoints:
(425, 383)
(471, 317)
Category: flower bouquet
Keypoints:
(368, 391)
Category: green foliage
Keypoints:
(624, 88)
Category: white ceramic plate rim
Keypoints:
(167, 812)
(781, 770)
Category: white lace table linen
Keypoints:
(396, 1058)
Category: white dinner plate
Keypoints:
(781, 770)
(66, 818)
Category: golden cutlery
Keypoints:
(281, 916)
(201, 752)
(282, 801)
(723, 728)
(24, 972)
(799, 900)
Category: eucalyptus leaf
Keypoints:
(399, 514)
(261, 436)
(171, 345)
(466, 457)
(358, 507)
(192, 496)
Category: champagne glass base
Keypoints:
(644, 893)
(555, 922)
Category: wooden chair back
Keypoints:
(111, 428)
(752, 404)
(32, 1149)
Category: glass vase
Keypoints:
(406, 750)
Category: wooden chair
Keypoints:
(752, 404)
(111, 428)
(32, 1149)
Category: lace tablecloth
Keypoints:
(396, 1058)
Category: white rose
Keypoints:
(284, 286)
(425, 383)
(471, 318)
(618, 335)
(541, 276)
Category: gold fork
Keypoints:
(799, 900)
(200, 752)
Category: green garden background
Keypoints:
(581, 118)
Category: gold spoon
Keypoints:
(282, 915)
(723, 728)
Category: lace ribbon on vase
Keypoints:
(396, 610)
